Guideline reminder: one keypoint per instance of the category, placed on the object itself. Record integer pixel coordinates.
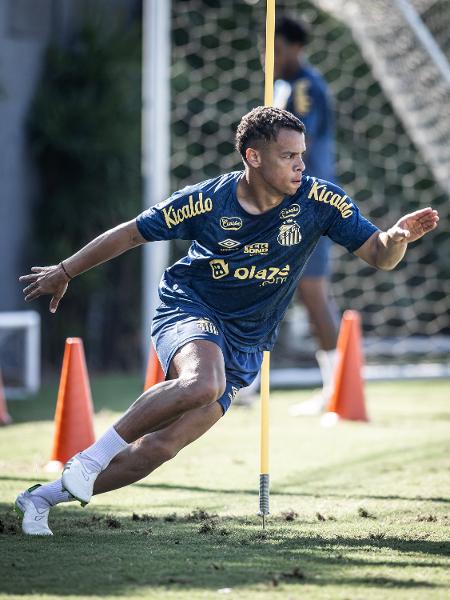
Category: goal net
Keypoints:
(391, 95)
(20, 352)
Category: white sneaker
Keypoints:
(34, 519)
(78, 478)
(309, 408)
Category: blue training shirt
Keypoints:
(244, 268)
(306, 95)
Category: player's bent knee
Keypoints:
(201, 391)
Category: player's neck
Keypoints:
(255, 196)
(292, 67)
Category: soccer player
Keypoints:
(302, 90)
(221, 304)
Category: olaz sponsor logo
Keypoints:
(258, 248)
(231, 223)
(320, 193)
(220, 268)
(290, 212)
(174, 216)
(268, 276)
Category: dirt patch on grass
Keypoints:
(365, 514)
(9, 525)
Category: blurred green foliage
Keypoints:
(84, 130)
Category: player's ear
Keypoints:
(253, 157)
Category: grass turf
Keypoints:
(359, 511)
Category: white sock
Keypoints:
(50, 494)
(101, 453)
(326, 360)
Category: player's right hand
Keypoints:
(43, 281)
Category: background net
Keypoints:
(381, 162)
(12, 352)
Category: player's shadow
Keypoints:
(93, 553)
(297, 483)
(251, 491)
(279, 491)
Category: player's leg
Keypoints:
(200, 382)
(315, 295)
(196, 360)
(149, 452)
(313, 291)
(132, 464)
(137, 460)
(146, 454)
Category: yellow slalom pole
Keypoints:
(265, 377)
(270, 53)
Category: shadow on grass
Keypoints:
(98, 554)
(379, 462)
(249, 492)
(276, 491)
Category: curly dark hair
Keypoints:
(264, 123)
(294, 31)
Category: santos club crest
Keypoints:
(289, 234)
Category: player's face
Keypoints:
(281, 162)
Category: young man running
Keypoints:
(221, 304)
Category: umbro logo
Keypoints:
(229, 244)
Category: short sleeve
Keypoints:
(350, 228)
(174, 218)
(339, 217)
(351, 232)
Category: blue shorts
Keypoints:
(318, 264)
(173, 327)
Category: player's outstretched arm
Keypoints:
(385, 249)
(53, 280)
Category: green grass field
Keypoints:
(359, 511)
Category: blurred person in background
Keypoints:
(302, 90)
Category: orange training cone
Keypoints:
(5, 418)
(154, 374)
(347, 398)
(74, 428)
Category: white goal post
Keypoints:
(29, 322)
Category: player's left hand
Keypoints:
(415, 225)
(42, 281)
